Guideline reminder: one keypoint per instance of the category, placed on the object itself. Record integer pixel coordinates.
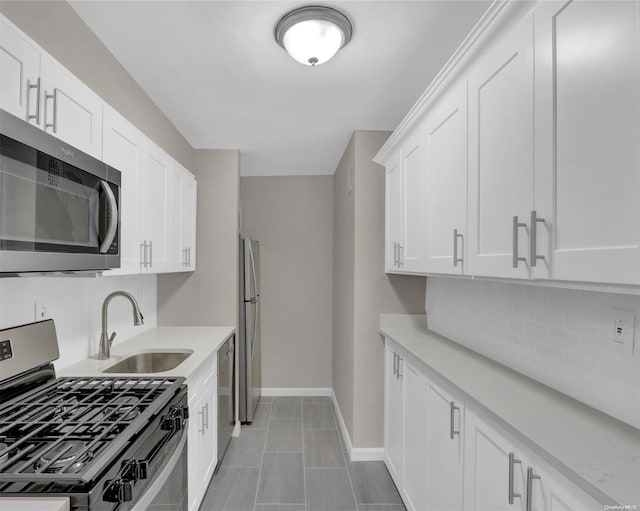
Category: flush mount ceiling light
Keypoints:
(313, 34)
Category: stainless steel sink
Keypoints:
(149, 362)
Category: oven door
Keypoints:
(54, 215)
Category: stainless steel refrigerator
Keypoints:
(249, 342)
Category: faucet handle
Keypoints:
(111, 338)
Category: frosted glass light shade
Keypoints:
(313, 34)
(312, 42)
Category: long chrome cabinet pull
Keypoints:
(512, 462)
(452, 430)
(395, 253)
(534, 237)
(143, 250)
(400, 256)
(150, 254)
(35, 86)
(457, 259)
(530, 477)
(201, 413)
(189, 258)
(516, 225)
(395, 360)
(399, 362)
(53, 124)
(206, 415)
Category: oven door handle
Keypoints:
(145, 500)
(113, 220)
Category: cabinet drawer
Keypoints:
(202, 377)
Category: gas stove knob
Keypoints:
(135, 470)
(171, 423)
(118, 490)
(185, 412)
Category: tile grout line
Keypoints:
(255, 499)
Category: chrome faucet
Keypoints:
(106, 341)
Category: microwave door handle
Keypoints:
(113, 221)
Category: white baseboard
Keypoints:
(355, 453)
(292, 391)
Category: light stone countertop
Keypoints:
(34, 504)
(202, 340)
(597, 452)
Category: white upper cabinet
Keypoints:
(72, 112)
(20, 87)
(393, 214)
(413, 250)
(446, 132)
(156, 210)
(183, 219)
(501, 148)
(588, 140)
(122, 148)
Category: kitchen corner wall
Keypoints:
(362, 290)
(208, 296)
(559, 337)
(291, 217)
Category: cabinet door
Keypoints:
(446, 132)
(393, 427)
(501, 149)
(413, 247)
(19, 75)
(72, 112)
(156, 207)
(194, 448)
(487, 473)
(183, 218)
(551, 491)
(209, 446)
(393, 214)
(445, 447)
(188, 203)
(122, 149)
(587, 139)
(415, 446)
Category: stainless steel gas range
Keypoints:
(106, 443)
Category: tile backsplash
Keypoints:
(559, 337)
(75, 303)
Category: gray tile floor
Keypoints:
(292, 459)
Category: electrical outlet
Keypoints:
(622, 330)
(39, 311)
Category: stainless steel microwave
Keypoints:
(58, 206)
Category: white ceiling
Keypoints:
(215, 70)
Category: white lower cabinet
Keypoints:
(445, 431)
(393, 423)
(495, 468)
(202, 437)
(414, 453)
(445, 455)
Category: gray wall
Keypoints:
(343, 288)
(359, 379)
(291, 217)
(56, 27)
(208, 296)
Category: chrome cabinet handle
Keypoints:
(189, 257)
(53, 124)
(395, 358)
(534, 237)
(206, 415)
(399, 362)
(395, 254)
(400, 256)
(184, 257)
(452, 430)
(530, 477)
(457, 259)
(113, 220)
(150, 254)
(201, 414)
(516, 225)
(144, 245)
(512, 462)
(35, 86)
